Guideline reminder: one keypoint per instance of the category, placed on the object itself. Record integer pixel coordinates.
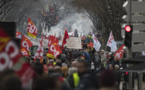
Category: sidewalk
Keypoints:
(136, 85)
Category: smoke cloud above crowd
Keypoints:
(79, 21)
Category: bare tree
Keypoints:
(35, 9)
(5, 6)
(22, 9)
(110, 13)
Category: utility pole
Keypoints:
(130, 51)
(130, 22)
(130, 12)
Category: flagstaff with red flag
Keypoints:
(66, 36)
(32, 30)
(39, 52)
(54, 49)
(25, 46)
(12, 58)
(119, 53)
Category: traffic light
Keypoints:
(128, 35)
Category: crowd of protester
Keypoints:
(70, 71)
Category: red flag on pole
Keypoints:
(54, 49)
(10, 57)
(66, 36)
(25, 52)
(26, 73)
(9, 52)
(39, 52)
(26, 43)
(119, 52)
(32, 30)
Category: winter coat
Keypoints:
(88, 81)
(118, 76)
(64, 69)
(103, 58)
(97, 58)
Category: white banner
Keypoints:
(74, 43)
(37, 40)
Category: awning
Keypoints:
(135, 68)
(138, 64)
(137, 60)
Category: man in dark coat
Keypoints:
(118, 75)
(96, 60)
(88, 80)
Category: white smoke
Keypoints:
(79, 21)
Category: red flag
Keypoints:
(54, 49)
(9, 52)
(32, 30)
(25, 52)
(39, 52)
(18, 35)
(119, 52)
(66, 36)
(26, 43)
(10, 57)
(25, 72)
(52, 39)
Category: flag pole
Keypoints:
(105, 52)
(62, 39)
(107, 41)
(106, 44)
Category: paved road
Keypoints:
(136, 85)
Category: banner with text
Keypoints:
(74, 43)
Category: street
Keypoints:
(72, 44)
